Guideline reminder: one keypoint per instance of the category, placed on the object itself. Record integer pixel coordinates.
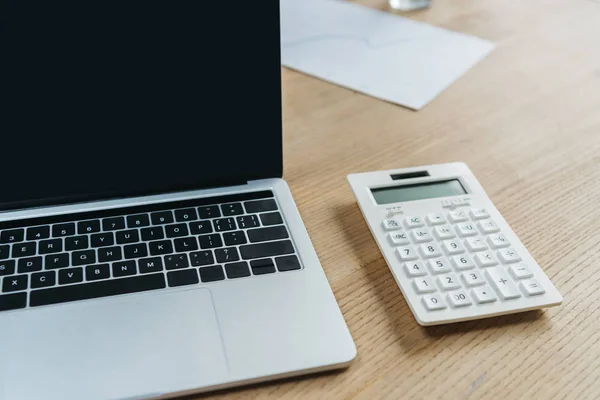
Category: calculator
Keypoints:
(451, 252)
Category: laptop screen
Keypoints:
(117, 98)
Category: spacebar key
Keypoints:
(98, 289)
(268, 249)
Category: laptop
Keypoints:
(149, 247)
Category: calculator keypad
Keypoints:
(459, 258)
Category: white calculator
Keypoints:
(451, 252)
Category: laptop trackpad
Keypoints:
(115, 348)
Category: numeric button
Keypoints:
(439, 265)
(453, 247)
(459, 299)
(433, 302)
(414, 268)
(413, 222)
(407, 253)
(448, 282)
(12, 236)
(424, 285)
(398, 238)
(430, 250)
(463, 262)
(473, 278)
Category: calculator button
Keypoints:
(436, 219)
(398, 238)
(421, 235)
(424, 285)
(407, 253)
(473, 278)
(485, 259)
(531, 287)
(433, 302)
(488, 226)
(444, 232)
(520, 271)
(394, 210)
(458, 202)
(413, 222)
(448, 282)
(439, 265)
(483, 294)
(415, 268)
(447, 203)
(459, 299)
(479, 213)
(458, 216)
(430, 250)
(391, 224)
(463, 262)
(502, 283)
(508, 255)
(476, 244)
(498, 240)
(466, 229)
(453, 247)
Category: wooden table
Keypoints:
(527, 122)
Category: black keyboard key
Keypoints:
(70, 275)
(108, 254)
(266, 234)
(247, 221)
(209, 212)
(177, 261)
(43, 279)
(201, 258)
(154, 233)
(268, 249)
(30, 264)
(160, 247)
(94, 290)
(138, 221)
(97, 272)
(226, 255)
(201, 228)
(259, 206)
(14, 283)
(273, 218)
(24, 249)
(61, 230)
(152, 264)
(91, 226)
(13, 301)
(162, 217)
(124, 268)
(237, 270)
(224, 224)
(83, 257)
(210, 241)
(211, 274)
(177, 230)
(7, 267)
(135, 250)
(287, 263)
(38, 232)
(182, 278)
(12, 236)
(4, 252)
(130, 236)
(185, 215)
(261, 267)
(103, 239)
(113, 224)
(77, 243)
(232, 209)
(54, 261)
(50, 246)
(233, 238)
(186, 244)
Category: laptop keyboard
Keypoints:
(89, 255)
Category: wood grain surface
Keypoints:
(527, 122)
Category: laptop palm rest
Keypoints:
(150, 343)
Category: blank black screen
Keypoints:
(114, 98)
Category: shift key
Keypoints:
(268, 249)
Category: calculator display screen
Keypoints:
(398, 194)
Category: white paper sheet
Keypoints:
(374, 52)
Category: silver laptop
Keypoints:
(148, 245)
